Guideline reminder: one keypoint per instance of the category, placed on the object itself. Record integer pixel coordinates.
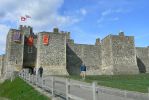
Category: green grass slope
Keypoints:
(139, 83)
(19, 90)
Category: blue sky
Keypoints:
(85, 19)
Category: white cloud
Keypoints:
(44, 13)
(115, 19)
(109, 15)
(106, 12)
(44, 16)
(3, 30)
(100, 20)
(83, 11)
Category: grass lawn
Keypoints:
(138, 83)
(19, 90)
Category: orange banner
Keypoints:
(30, 41)
(45, 39)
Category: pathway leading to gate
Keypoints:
(82, 90)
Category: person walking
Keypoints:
(40, 71)
(83, 71)
(34, 71)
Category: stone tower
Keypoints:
(119, 55)
(14, 51)
(60, 55)
(30, 49)
(52, 56)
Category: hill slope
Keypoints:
(19, 90)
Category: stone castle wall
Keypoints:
(1, 64)
(143, 59)
(107, 56)
(14, 52)
(30, 52)
(118, 55)
(52, 57)
(90, 55)
(115, 54)
(124, 56)
(29, 58)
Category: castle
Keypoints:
(57, 53)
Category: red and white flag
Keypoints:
(27, 16)
(23, 18)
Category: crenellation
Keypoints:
(55, 30)
(57, 53)
(121, 34)
(67, 35)
(97, 41)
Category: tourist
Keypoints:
(34, 71)
(83, 71)
(40, 71)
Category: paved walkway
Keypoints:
(83, 91)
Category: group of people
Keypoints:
(40, 71)
(82, 71)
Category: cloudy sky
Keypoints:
(85, 19)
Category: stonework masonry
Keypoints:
(107, 60)
(14, 53)
(52, 56)
(142, 56)
(113, 55)
(1, 64)
(124, 56)
(90, 55)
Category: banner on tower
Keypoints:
(45, 39)
(30, 40)
(17, 36)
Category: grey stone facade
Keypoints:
(29, 56)
(143, 59)
(90, 55)
(1, 64)
(14, 53)
(124, 56)
(52, 57)
(107, 56)
(115, 54)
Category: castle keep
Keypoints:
(57, 53)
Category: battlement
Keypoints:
(97, 41)
(121, 34)
(26, 29)
(57, 53)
